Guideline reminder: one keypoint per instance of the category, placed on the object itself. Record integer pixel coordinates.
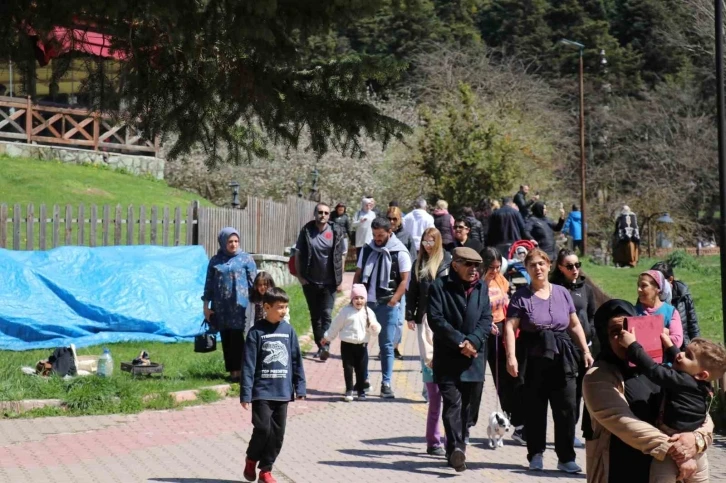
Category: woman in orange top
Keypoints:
(496, 355)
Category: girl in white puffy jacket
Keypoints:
(355, 324)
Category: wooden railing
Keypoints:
(22, 120)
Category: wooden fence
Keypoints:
(22, 120)
(42, 228)
(265, 226)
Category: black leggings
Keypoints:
(355, 360)
(233, 348)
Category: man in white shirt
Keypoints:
(362, 224)
(418, 221)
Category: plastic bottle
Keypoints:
(105, 364)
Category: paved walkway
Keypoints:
(327, 440)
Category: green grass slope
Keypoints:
(52, 182)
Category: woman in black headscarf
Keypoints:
(622, 407)
(543, 229)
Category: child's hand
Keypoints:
(666, 331)
(666, 340)
(411, 324)
(245, 405)
(626, 338)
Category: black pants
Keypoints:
(320, 300)
(577, 244)
(268, 419)
(476, 394)
(507, 386)
(545, 382)
(581, 370)
(457, 397)
(355, 360)
(233, 348)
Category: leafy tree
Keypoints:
(233, 73)
(519, 27)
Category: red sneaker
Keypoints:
(250, 472)
(266, 477)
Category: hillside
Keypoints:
(33, 181)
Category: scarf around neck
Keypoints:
(382, 254)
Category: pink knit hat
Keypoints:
(358, 290)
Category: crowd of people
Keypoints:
(444, 276)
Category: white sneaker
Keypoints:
(348, 396)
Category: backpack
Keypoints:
(291, 262)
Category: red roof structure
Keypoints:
(61, 40)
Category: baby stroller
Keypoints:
(516, 273)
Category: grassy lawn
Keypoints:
(52, 182)
(183, 369)
(702, 275)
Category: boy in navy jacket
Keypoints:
(272, 376)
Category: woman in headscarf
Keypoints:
(543, 229)
(230, 276)
(627, 239)
(653, 292)
(622, 407)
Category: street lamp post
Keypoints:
(235, 194)
(721, 150)
(583, 208)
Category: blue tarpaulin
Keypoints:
(90, 296)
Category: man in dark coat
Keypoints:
(520, 199)
(460, 318)
(319, 265)
(462, 236)
(506, 226)
(543, 229)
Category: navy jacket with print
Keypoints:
(272, 369)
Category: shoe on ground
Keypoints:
(348, 396)
(367, 385)
(569, 467)
(317, 354)
(266, 477)
(250, 472)
(397, 354)
(437, 451)
(324, 354)
(537, 463)
(518, 437)
(361, 395)
(457, 460)
(386, 391)
(578, 443)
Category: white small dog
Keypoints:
(498, 426)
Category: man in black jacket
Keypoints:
(683, 302)
(477, 229)
(460, 318)
(462, 235)
(506, 226)
(319, 265)
(520, 199)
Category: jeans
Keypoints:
(320, 299)
(401, 322)
(433, 429)
(388, 318)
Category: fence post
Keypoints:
(106, 224)
(154, 222)
(69, 225)
(96, 132)
(56, 225)
(81, 225)
(165, 227)
(29, 222)
(3, 225)
(92, 231)
(43, 218)
(117, 227)
(142, 225)
(16, 227)
(177, 226)
(29, 120)
(130, 225)
(195, 226)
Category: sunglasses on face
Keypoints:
(427, 243)
(392, 219)
(460, 227)
(572, 266)
(469, 264)
(323, 213)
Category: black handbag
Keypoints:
(206, 341)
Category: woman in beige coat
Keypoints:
(622, 408)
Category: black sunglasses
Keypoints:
(323, 212)
(572, 266)
(470, 264)
(393, 219)
(460, 227)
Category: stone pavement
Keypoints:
(327, 440)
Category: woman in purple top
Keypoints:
(545, 356)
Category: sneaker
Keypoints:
(317, 355)
(578, 443)
(537, 464)
(569, 467)
(250, 472)
(518, 436)
(397, 354)
(266, 477)
(361, 395)
(386, 391)
(348, 396)
(437, 451)
(324, 354)
(457, 460)
(367, 385)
